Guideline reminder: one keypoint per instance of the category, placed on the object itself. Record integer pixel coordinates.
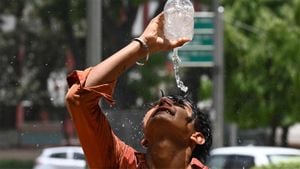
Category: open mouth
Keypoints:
(164, 109)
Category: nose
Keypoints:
(164, 101)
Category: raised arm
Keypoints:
(111, 68)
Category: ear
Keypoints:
(198, 138)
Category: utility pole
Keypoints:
(94, 32)
(218, 77)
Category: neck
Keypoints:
(166, 154)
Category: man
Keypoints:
(175, 132)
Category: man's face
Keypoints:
(169, 117)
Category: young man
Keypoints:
(175, 132)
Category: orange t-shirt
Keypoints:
(102, 148)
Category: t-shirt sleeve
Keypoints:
(101, 147)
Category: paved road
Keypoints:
(19, 154)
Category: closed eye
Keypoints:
(179, 104)
(189, 119)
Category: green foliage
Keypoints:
(290, 165)
(262, 61)
(206, 89)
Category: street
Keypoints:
(25, 154)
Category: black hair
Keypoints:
(201, 124)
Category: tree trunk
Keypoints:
(284, 136)
(274, 124)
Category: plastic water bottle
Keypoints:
(179, 22)
(179, 19)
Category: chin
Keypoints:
(159, 125)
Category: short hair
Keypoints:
(202, 124)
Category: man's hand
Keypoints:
(154, 37)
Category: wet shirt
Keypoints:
(102, 148)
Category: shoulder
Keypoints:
(128, 157)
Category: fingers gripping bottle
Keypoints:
(179, 22)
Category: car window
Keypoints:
(281, 158)
(78, 156)
(230, 162)
(216, 161)
(58, 155)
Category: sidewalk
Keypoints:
(19, 154)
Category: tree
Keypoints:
(46, 34)
(27, 52)
(262, 66)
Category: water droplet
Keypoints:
(123, 125)
(37, 145)
(61, 122)
(46, 64)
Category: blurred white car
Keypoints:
(68, 157)
(245, 157)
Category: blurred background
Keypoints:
(250, 83)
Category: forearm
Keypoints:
(111, 68)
